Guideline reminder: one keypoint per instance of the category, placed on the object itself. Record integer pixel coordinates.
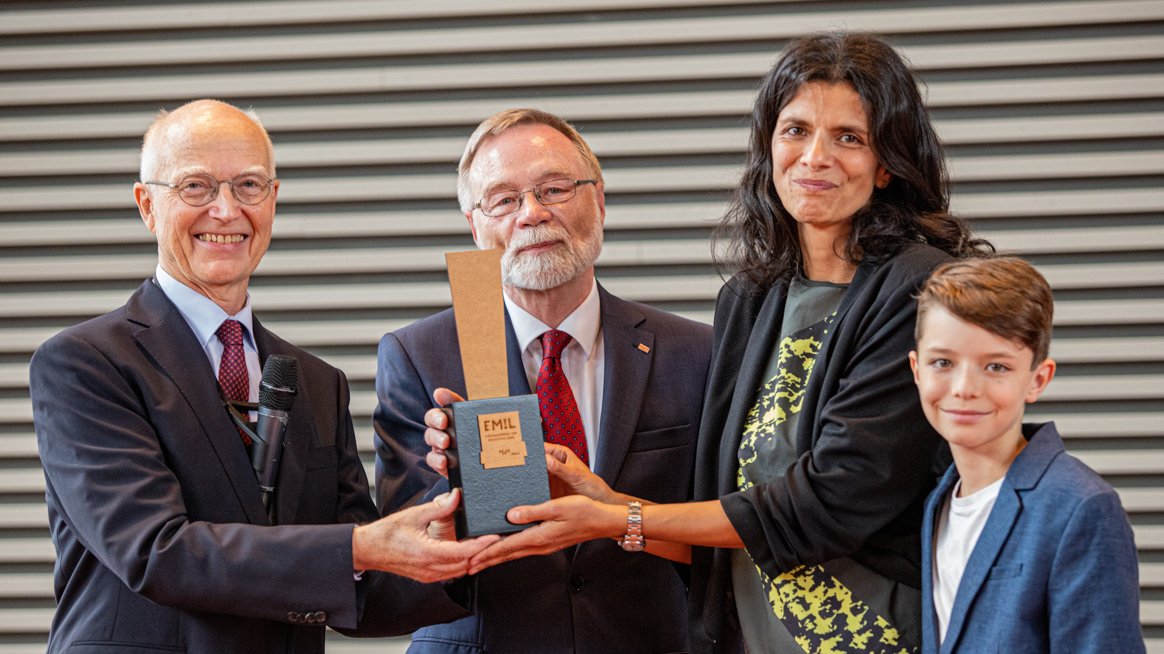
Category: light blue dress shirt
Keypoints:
(205, 317)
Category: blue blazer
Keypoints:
(595, 598)
(1054, 569)
(163, 544)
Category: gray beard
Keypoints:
(541, 272)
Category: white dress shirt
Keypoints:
(583, 360)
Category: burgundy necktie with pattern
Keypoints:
(232, 370)
(560, 418)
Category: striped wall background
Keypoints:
(1053, 113)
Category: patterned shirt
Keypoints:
(807, 608)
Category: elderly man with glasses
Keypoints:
(630, 379)
(164, 540)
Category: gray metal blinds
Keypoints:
(1053, 113)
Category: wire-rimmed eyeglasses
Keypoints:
(554, 191)
(200, 190)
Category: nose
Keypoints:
(224, 206)
(531, 211)
(965, 383)
(817, 152)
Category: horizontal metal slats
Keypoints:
(1053, 113)
(644, 32)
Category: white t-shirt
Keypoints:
(960, 524)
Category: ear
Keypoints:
(145, 205)
(883, 177)
(1040, 377)
(600, 198)
(472, 227)
(913, 365)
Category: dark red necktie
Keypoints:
(560, 418)
(232, 370)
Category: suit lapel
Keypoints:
(929, 523)
(1044, 445)
(1024, 474)
(994, 535)
(518, 382)
(168, 340)
(299, 437)
(624, 381)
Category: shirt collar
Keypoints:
(200, 312)
(582, 324)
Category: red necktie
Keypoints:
(560, 418)
(232, 370)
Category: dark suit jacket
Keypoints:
(599, 598)
(1054, 569)
(866, 453)
(162, 541)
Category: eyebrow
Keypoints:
(796, 120)
(202, 170)
(545, 176)
(998, 354)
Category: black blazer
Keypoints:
(597, 598)
(867, 454)
(162, 541)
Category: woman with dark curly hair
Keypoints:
(814, 455)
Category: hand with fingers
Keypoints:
(403, 543)
(563, 522)
(435, 436)
(444, 528)
(569, 476)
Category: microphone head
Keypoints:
(280, 382)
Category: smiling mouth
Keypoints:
(222, 238)
(537, 246)
(964, 414)
(816, 184)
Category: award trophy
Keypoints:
(497, 458)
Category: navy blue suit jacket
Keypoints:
(1054, 569)
(163, 544)
(597, 598)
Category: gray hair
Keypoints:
(503, 120)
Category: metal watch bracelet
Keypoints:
(633, 541)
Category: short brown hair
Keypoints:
(1005, 296)
(503, 120)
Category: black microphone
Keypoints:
(276, 394)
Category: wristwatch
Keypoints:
(633, 541)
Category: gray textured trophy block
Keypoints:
(517, 477)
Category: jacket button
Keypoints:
(320, 617)
(294, 617)
(577, 582)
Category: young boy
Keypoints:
(1024, 548)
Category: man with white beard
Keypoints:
(633, 383)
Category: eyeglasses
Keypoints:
(555, 191)
(200, 190)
